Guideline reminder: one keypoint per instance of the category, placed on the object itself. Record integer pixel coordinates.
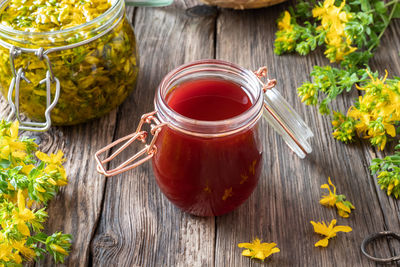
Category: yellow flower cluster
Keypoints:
(258, 250)
(285, 36)
(392, 184)
(333, 22)
(26, 183)
(12, 249)
(10, 145)
(375, 114)
(344, 207)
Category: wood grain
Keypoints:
(126, 221)
(139, 226)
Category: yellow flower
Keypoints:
(328, 231)
(11, 145)
(331, 16)
(391, 186)
(288, 40)
(258, 250)
(333, 21)
(23, 215)
(26, 169)
(5, 251)
(332, 199)
(378, 110)
(53, 159)
(27, 252)
(54, 162)
(58, 249)
(284, 23)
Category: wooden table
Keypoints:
(126, 221)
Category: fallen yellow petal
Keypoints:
(322, 243)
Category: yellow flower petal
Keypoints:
(23, 229)
(58, 249)
(343, 214)
(21, 200)
(14, 129)
(259, 255)
(244, 245)
(342, 228)
(246, 253)
(328, 200)
(343, 207)
(42, 156)
(325, 186)
(390, 129)
(322, 243)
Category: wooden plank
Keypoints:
(139, 227)
(387, 57)
(287, 196)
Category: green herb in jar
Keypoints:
(95, 77)
(51, 15)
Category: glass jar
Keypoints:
(78, 74)
(211, 167)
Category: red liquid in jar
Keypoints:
(208, 176)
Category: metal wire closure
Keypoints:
(50, 79)
(262, 73)
(142, 156)
(369, 239)
(15, 86)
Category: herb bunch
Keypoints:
(28, 180)
(388, 171)
(350, 32)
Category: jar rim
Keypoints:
(209, 128)
(10, 31)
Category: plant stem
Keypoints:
(387, 24)
(385, 5)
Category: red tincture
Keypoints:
(208, 176)
(209, 100)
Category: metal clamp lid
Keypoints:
(283, 118)
(146, 153)
(14, 89)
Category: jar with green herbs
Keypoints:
(75, 58)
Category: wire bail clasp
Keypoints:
(14, 89)
(146, 153)
(262, 73)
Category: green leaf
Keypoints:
(5, 163)
(396, 13)
(365, 6)
(380, 7)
